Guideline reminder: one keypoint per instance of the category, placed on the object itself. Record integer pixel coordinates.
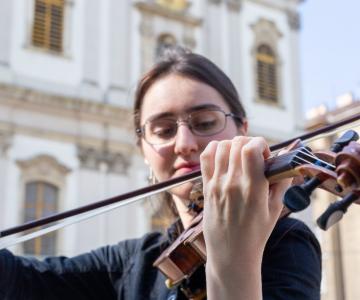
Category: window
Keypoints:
(48, 26)
(40, 201)
(266, 74)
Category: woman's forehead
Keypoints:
(176, 94)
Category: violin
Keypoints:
(336, 171)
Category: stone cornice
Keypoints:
(156, 9)
(333, 116)
(234, 5)
(44, 168)
(277, 5)
(95, 158)
(68, 107)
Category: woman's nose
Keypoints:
(185, 141)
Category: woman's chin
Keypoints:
(182, 191)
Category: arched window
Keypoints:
(41, 200)
(48, 26)
(163, 42)
(267, 88)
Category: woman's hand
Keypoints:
(240, 212)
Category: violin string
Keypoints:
(303, 160)
(310, 162)
(311, 155)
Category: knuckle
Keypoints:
(224, 144)
(214, 189)
(230, 187)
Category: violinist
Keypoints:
(188, 116)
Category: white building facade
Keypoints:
(67, 72)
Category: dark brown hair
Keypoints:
(177, 60)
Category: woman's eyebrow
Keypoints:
(188, 110)
(161, 115)
(202, 107)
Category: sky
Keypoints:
(330, 50)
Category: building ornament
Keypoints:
(43, 168)
(294, 21)
(234, 5)
(175, 5)
(265, 31)
(71, 107)
(95, 159)
(156, 9)
(215, 1)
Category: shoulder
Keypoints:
(293, 230)
(290, 238)
(292, 262)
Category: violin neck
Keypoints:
(284, 166)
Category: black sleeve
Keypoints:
(291, 266)
(88, 276)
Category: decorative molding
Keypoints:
(294, 20)
(215, 1)
(177, 5)
(266, 31)
(153, 8)
(71, 107)
(234, 5)
(95, 159)
(43, 168)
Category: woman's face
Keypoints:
(176, 96)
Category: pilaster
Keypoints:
(6, 32)
(90, 85)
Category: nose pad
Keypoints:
(185, 140)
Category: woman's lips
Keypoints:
(186, 169)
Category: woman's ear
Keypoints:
(243, 130)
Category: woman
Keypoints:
(188, 116)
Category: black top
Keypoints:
(291, 269)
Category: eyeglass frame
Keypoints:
(140, 131)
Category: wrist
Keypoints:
(239, 281)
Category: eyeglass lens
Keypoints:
(201, 123)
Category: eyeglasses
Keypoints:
(201, 123)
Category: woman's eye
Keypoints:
(205, 125)
(164, 131)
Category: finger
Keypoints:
(276, 195)
(222, 158)
(252, 155)
(207, 159)
(235, 169)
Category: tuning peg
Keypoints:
(297, 197)
(336, 211)
(344, 140)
